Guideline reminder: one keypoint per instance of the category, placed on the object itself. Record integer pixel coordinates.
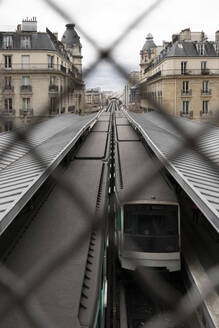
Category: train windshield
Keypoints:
(151, 219)
(151, 227)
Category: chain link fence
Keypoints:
(21, 293)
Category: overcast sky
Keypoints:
(104, 20)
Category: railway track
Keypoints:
(129, 302)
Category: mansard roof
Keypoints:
(70, 37)
(149, 43)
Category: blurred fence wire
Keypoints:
(21, 294)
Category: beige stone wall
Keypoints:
(39, 75)
(170, 84)
(172, 97)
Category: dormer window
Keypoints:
(25, 42)
(7, 42)
(201, 49)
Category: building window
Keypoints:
(205, 107)
(7, 42)
(8, 61)
(53, 105)
(26, 103)
(8, 103)
(50, 61)
(185, 86)
(203, 65)
(8, 125)
(25, 59)
(216, 46)
(89, 99)
(53, 80)
(185, 108)
(25, 41)
(8, 82)
(26, 80)
(183, 67)
(201, 49)
(205, 86)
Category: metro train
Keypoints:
(147, 221)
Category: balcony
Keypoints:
(205, 71)
(71, 109)
(7, 113)
(63, 69)
(187, 115)
(154, 76)
(41, 67)
(26, 89)
(206, 92)
(27, 112)
(186, 93)
(205, 115)
(185, 72)
(53, 112)
(8, 89)
(53, 88)
(71, 73)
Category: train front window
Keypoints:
(150, 219)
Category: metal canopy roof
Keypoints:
(21, 174)
(196, 176)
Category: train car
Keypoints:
(147, 218)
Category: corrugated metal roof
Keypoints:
(21, 174)
(196, 176)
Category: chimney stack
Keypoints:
(29, 25)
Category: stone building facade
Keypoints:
(40, 76)
(130, 89)
(183, 75)
(93, 99)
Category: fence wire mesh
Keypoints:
(21, 293)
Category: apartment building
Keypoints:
(131, 89)
(93, 99)
(182, 74)
(40, 76)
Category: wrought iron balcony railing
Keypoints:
(71, 109)
(63, 69)
(206, 92)
(53, 88)
(186, 92)
(187, 115)
(8, 89)
(205, 71)
(205, 114)
(26, 88)
(26, 112)
(53, 112)
(70, 70)
(7, 112)
(152, 74)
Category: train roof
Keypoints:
(133, 165)
(61, 219)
